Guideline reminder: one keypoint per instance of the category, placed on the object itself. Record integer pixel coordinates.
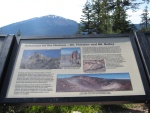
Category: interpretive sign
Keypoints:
(71, 69)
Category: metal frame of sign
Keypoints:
(5, 52)
(143, 41)
(76, 100)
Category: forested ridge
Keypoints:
(110, 16)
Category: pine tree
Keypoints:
(107, 16)
(1, 31)
(96, 16)
(19, 33)
(120, 23)
(86, 22)
(147, 1)
(101, 18)
(145, 22)
(127, 4)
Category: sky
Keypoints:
(48, 53)
(16, 10)
(12, 11)
(69, 50)
(107, 76)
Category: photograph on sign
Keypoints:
(40, 59)
(75, 68)
(93, 82)
(70, 57)
(94, 65)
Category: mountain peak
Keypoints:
(39, 61)
(53, 16)
(37, 55)
(49, 25)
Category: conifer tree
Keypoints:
(96, 16)
(101, 16)
(107, 16)
(19, 33)
(145, 22)
(86, 20)
(146, 1)
(1, 31)
(120, 23)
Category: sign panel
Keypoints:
(93, 67)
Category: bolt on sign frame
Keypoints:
(75, 69)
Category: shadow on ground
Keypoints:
(121, 109)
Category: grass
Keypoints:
(124, 108)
